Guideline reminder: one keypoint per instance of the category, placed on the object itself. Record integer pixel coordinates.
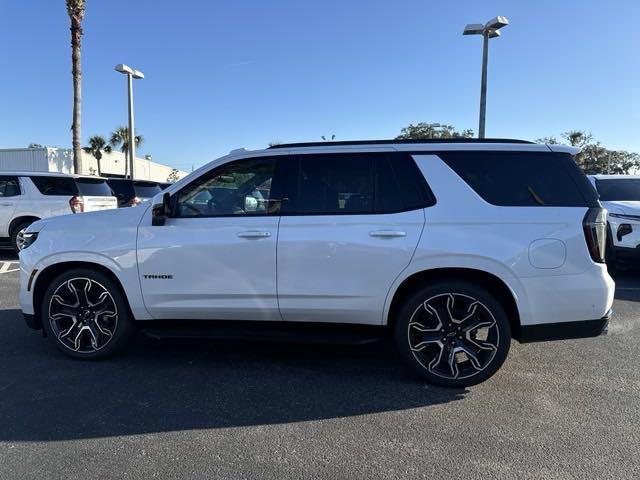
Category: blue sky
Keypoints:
(226, 74)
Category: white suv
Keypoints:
(29, 196)
(620, 195)
(453, 247)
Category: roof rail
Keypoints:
(393, 142)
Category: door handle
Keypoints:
(254, 234)
(387, 233)
(5, 204)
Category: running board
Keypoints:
(286, 332)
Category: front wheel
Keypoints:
(453, 334)
(85, 313)
(17, 236)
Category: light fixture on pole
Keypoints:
(131, 74)
(488, 30)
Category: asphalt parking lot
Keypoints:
(239, 410)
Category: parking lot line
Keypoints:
(5, 267)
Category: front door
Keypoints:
(215, 258)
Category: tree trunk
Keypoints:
(76, 36)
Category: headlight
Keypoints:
(28, 238)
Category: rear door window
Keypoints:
(93, 187)
(9, 187)
(524, 178)
(355, 183)
(57, 186)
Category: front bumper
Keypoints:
(564, 330)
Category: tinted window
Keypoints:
(93, 187)
(237, 188)
(359, 183)
(329, 184)
(64, 186)
(9, 187)
(122, 188)
(524, 178)
(619, 189)
(146, 190)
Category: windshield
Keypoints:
(619, 189)
(93, 187)
(146, 190)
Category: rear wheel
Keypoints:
(84, 312)
(453, 334)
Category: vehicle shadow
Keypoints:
(8, 255)
(160, 386)
(627, 284)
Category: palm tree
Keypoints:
(75, 10)
(120, 140)
(97, 144)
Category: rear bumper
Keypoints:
(564, 330)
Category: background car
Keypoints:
(133, 192)
(29, 196)
(620, 195)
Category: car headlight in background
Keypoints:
(28, 238)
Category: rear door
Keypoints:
(350, 226)
(9, 196)
(52, 195)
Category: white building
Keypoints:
(61, 160)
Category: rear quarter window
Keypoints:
(56, 186)
(526, 179)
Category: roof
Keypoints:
(48, 174)
(429, 141)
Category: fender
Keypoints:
(470, 262)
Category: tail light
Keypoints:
(77, 204)
(134, 201)
(595, 232)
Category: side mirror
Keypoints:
(161, 211)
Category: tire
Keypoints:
(434, 332)
(86, 323)
(16, 235)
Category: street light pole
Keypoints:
(131, 74)
(488, 30)
(483, 85)
(132, 138)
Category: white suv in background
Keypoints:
(620, 195)
(26, 197)
(452, 247)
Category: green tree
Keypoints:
(593, 158)
(97, 144)
(173, 176)
(76, 10)
(422, 130)
(120, 139)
